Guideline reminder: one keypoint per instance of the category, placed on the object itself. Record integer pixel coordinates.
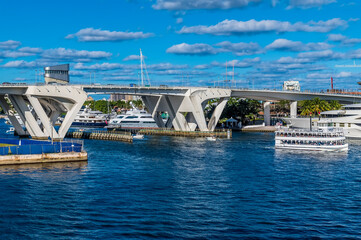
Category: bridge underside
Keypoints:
(39, 108)
(186, 113)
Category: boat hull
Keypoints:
(338, 148)
(83, 124)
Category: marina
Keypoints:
(180, 119)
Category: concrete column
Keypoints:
(198, 113)
(293, 109)
(267, 113)
(217, 114)
(70, 116)
(14, 121)
(45, 120)
(152, 103)
(178, 120)
(27, 117)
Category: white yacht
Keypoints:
(133, 119)
(89, 118)
(324, 137)
(348, 118)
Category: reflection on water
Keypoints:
(174, 187)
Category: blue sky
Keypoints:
(185, 42)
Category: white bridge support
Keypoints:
(6, 107)
(267, 113)
(186, 112)
(40, 106)
(293, 109)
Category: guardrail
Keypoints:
(96, 86)
(20, 147)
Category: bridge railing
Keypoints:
(345, 91)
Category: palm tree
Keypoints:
(306, 107)
(319, 105)
(314, 106)
(335, 105)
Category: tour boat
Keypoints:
(324, 137)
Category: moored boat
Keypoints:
(324, 137)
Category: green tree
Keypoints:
(314, 106)
(335, 105)
(282, 107)
(240, 108)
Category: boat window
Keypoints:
(149, 122)
(349, 125)
(145, 117)
(131, 122)
(334, 124)
(120, 117)
(131, 117)
(342, 125)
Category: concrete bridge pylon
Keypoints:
(40, 106)
(186, 112)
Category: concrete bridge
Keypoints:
(185, 105)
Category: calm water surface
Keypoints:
(169, 187)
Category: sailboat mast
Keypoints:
(141, 68)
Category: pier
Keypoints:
(101, 135)
(224, 133)
(25, 151)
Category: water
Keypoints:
(173, 187)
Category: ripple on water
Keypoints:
(166, 187)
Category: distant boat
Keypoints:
(89, 118)
(10, 131)
(133, 119)
(213, 138)
(138, 136)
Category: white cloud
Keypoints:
(166, 66)
(201, 4)
(99, 67)
(192, 49)
(98, 35)
(245, 63)
(343, 39)
(30, 50)
(10, 44)
(120, 78)
(233, 27)
(309, 3)
(24, 64)
(240, 49)
(297, 46)
(355, 54)
(132, 58)
(325, 55)
(62, 54)
(14, 54)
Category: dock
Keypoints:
(224, 133)
(259, 129)
(43, 158)
(26, 151)
(121, 136)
